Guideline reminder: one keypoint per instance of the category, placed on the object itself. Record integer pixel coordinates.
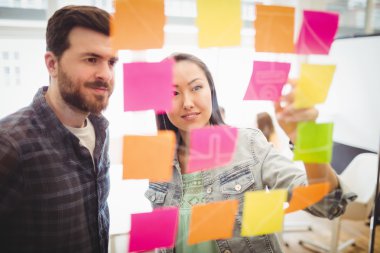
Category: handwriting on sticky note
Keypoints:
(211, 147)
(267, 80)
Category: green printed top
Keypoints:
(193, 194)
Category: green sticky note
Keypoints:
(263, 212)
(314, 142)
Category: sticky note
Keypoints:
(149, 157)
(274, 26)
(314, 142)
(212, 221)
(317, 32)
(313, 85)
(211, 147)
(305, 196)
(148, 85)
(138, 24)
(219, 23)
(156, 229)
(267, 80)
(263, 212)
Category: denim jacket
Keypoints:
(255, 166)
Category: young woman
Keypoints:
(255, 165)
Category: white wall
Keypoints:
(22, 71)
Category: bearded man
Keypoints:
(54, 163)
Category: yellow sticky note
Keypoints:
(274, 26)
(149, 157)
(219, 23)
(138, 24)
(263, 212)
(212, 221)
(313, 84)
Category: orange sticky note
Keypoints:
(274, 27)
(219, 23)
(149, 157)
(138, 24)
(212, 221)
(305, 196)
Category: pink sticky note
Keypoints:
(148, 86)
(267, 80)
(156, 229)
(317, 32)
(211, 147)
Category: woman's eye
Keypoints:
(112, 62)
(198, 87)
(175, 93)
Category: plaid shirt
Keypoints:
(51, 198)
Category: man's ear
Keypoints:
(51, 62)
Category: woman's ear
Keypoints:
(51, 63)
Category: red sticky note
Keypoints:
(211, 147)
(156, 229)
(267, 80)
(317, 32)
(148, 86)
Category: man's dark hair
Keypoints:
(69, 17)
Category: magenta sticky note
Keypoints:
(317, 32)
(267, 80)
(211, 147)
(156, 229)
(148, 86)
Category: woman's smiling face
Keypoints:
(192, 104)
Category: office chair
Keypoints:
(360, 176)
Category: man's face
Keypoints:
(85, 71)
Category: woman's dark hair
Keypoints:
(265, 124)
(163, 122)
(69, 17)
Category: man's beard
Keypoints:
(71, 94)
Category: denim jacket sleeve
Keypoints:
(278, 171)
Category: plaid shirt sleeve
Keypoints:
(11, 179)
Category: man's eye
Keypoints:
(91, 60)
